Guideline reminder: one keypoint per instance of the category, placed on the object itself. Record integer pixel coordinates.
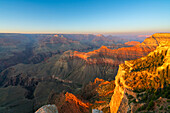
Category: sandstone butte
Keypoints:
(99, 35)
(119, 101)
(110, 56)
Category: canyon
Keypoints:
(85, 66)
(84, 76)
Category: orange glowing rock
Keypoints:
(99, 35)
(132, 43)
(56, 35)
(99, 102)
(109, 92)
(104, 83)
(140, 79)
(72, 98)
(98, 80)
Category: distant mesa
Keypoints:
(56, 35)
(144, 36)
(99, 35)
(103, 47)
(133, 43)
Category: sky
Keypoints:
(84, 16)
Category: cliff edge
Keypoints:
(142, 84)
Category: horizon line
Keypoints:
(113, 33)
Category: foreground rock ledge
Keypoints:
(47, 109)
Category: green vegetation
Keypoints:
(139, 78)
(150, 63)
(142, 107)
(168, 107)
(150, 105)
(148, 81)
(152, 95)
(130, 96)
(161, 108)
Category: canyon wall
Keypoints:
(142, 75)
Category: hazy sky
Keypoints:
(84, 16)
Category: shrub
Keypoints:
(168, 107)
(161, 108)
(130, 96)
(150, 105)
(142, 107)
(134, 100)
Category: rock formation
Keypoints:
(47, 109)
(137, 79)
(95, 95)
(69, 103)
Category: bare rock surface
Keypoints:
(47, 109)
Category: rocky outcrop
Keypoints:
(98, 93)
(69, 103)
(136, 77)
(94, 95)
(47, 109)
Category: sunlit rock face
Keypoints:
(95, 95)
(69, 103)
(137, 77)
(47, 109)
(98, 93)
